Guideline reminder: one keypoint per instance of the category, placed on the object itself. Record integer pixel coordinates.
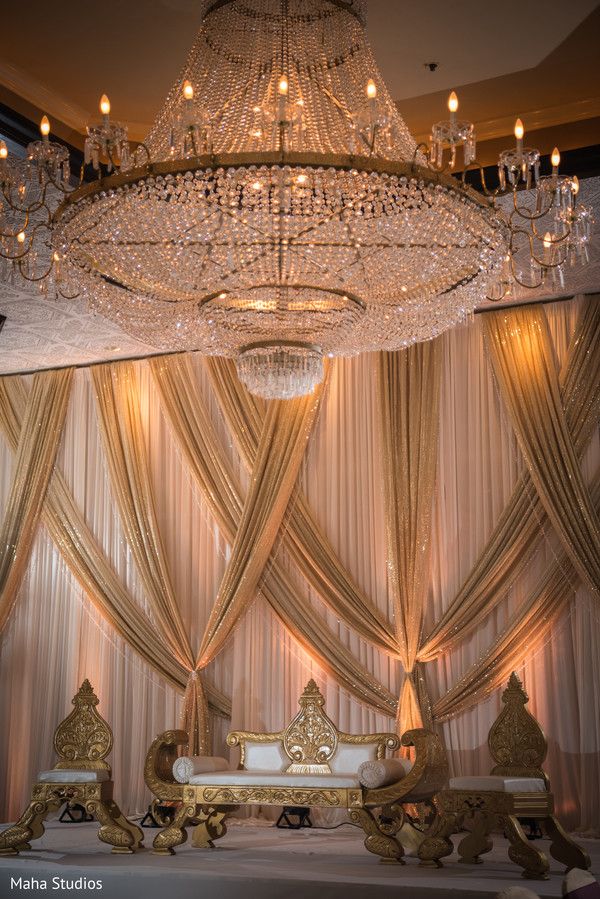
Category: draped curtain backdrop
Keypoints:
(424, 524)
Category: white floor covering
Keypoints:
(259, 862)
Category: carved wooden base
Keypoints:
(381, 839)
(97, 799)
(501, 811)
(210, 827)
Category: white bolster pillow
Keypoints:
(187, 765)
(383, 772)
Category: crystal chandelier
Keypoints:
(279, 210)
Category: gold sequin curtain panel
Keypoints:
(520, 528)
(525, 367)
(304, 539)
(35, 444)
(191, 424)
(409, 388)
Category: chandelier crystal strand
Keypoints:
(279, 209)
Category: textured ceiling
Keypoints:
(40, 333)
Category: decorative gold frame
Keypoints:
(82, 741)
(518, 746)
(310, 741)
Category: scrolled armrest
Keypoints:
(158, 767)
(427, 776)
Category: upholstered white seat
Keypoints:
(71, 775)
(263, 779)
(499, 784)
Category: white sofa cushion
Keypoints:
(383, 772)
(184, 767)
(348, 757)
(499, 784)
(259, 779)
(71, 775)
(270, 757)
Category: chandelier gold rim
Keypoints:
(342, 4)
(336, 291)
(274, 158)
(275, 344)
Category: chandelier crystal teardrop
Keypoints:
(279, 210)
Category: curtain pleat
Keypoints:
(520, 528)
(409, 389)
(35, 450)
(525, 367)
(304, 539)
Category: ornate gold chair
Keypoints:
(517, 788)
(82, 742)
(309, 764)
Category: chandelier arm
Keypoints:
(24, 228)
(522, 212)
(35, 279)
(27, 249)
(554, 238)
(32, 208)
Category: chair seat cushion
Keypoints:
(260, 779)
(499, 784)
(71, 775)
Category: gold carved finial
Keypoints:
(516, 740)
(311, 739)
(84, 738)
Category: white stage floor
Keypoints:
(262, 862)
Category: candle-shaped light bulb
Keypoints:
(453, 102)
(555, 160)
(371, 89)
(45, 126)
(283, 86)
(575, 185)
(547, 240)
(188, 90)
(519, 129)
(104, 105)
(3, 150)
(21, 237)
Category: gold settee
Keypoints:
(81, 776)
(309, 747)
(517, 788)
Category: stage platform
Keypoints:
(259, 862)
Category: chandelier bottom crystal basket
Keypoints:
(279, 210)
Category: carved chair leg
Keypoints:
(477, 842)
(136, 832)
(377, 841)
(563, 848)
(122, 839)
(175, 834)
(521, 852)
(30, 826)
(437, 843)
(211, 827)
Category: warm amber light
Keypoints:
(519, 129)
(56, 257)
(283, 86)
(3, 150)
(371, 89)
(104, 105)
(453, 102)
(575, 187)
(301, 179)
(547, 240)
(188, 90)
(555, 158)
(21, 237)
(45, 126)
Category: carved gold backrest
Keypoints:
(311, 739)
(516, 740)
(84, 739)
